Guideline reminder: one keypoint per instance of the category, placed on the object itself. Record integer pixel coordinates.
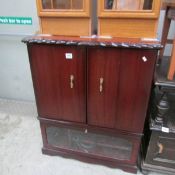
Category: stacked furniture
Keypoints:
(160, 154)
(115, 18)
(92, 93)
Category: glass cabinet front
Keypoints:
(125, 5)
(65, 17)
(64, 8)
(119, 148)
(63, 4)
(129, 8)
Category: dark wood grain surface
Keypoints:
(102, 106)
(127, 82)
(136, 75)
(51, 75)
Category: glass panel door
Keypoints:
(77, 4)
(131, 5)
(46, 4)
(63, 4)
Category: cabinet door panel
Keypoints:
(59, 82)
(126, 88)
(136, 74)
(102, 106)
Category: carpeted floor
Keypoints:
(20, 146)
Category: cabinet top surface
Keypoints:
(138, 43)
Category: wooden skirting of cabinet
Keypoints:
(92, 96)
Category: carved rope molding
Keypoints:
(30, 40)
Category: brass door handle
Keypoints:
(71, 81)
(161, 148)
(101, 85)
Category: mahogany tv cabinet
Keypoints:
(92, 96)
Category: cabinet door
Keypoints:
(127, 77)
(59, 81)
(103, 75)
(136, 76)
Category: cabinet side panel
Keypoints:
(52, 73)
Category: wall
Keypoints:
(15, 77)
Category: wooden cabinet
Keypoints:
(128, 18)
(65, 17)
(92, 97)
(125, 18)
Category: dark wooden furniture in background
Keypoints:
(160, 155)
(169, 7)
(92, 96)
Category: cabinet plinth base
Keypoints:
(51, 152)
